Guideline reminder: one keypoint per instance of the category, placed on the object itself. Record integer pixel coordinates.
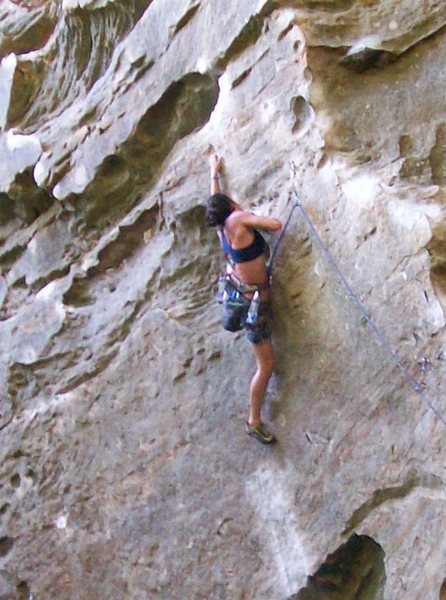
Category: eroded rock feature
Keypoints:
(124, 468)
(379, 497)
(73, 59)
(26, 26)
(185, 106)
(392, 26)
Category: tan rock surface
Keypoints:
(125, 472)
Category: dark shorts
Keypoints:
(259, 332)
(234, 319)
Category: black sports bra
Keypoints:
(239, 255)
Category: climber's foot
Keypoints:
(260, 433)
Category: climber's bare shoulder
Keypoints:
(250, 220)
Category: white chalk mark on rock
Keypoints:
(271, 492)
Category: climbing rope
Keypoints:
(282, 233)
(417, 386)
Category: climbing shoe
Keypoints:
(260, 433)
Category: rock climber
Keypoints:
(246, 282)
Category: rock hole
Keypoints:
(23, 591)
(15, 481)
(303, 114)
(443, 591)
(129, 239)
(16, 454)
(355, 571)
(437, 251)
(367, 58)
(405, 145)
(31, 476)
(4, 509)
(437, 158)
(6, 544)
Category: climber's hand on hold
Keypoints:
(216, 164)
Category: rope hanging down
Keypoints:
(417, 386)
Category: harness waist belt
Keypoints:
(246, 288)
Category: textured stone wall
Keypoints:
(125, 472)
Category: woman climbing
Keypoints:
(246, 294)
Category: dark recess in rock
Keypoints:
(33, 37)
(79, 294)
(437, 158)
(285, 31)
(6, 209)
(23, 591)
(129, 239)
(189, 14)
(355, 571)
(27, 82)
(317, 5)
(437, 251)
(241, 78)
(302, 112)
(368, 58)
(405, 145)
(15, 480)
(248, 36)
(26, 201)
(6, 544)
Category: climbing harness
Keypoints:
(241, 301)
(417, 386)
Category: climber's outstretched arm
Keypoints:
(216, 166)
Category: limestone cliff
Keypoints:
(125, 472)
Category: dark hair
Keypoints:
(218, 209)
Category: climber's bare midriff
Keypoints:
(253, 272)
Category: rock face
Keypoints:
(125, 472)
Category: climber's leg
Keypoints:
(263, 351)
